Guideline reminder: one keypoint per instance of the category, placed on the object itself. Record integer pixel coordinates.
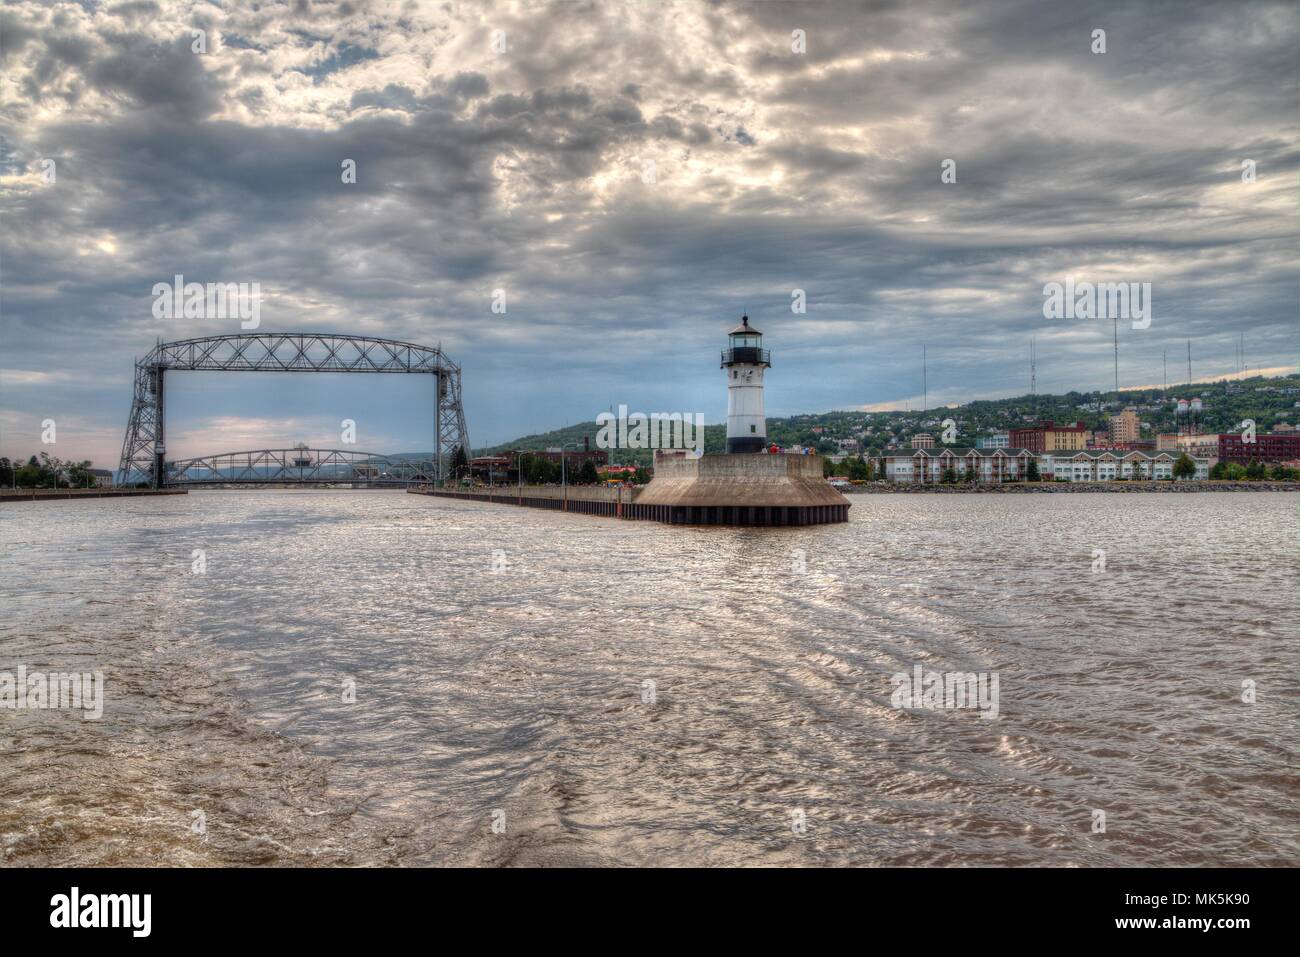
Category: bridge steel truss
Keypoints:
(144, 456)
(298, 466)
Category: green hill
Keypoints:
(1268, 401)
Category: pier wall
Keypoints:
(582, 499)
(48, 494)
(737, 489)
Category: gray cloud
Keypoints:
(634, 176)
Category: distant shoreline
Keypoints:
(1202, 485)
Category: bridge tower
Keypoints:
(144, 449)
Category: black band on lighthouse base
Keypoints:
(746, 443)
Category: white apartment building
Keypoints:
(1106, 465)
(927, 466)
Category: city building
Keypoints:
(1268, 448)
(1046, 436)
(572, 458)
(1145, 445)
(998, 440)
(504, 468)
(1125, 427)
(744, 362)
(103, 477)
(1105, 465)
(1167, 441)
(928, 466)
(923, 440)
(1200, 446)
(493, 469)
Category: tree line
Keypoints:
(45, 472)
(1255, 471)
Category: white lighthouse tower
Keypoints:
(744, 362)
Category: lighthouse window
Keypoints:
(753, 428)
(735, 374)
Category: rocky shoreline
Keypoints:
(1034, 487)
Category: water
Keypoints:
(517, 696)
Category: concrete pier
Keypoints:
(738, 489)
(743, 489)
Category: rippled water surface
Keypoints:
(518, 695)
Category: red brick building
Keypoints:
(1268, 447)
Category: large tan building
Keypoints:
(1201, 446)
(1125, 427)
(1049, 437)
(1066, 438)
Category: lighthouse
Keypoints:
(744, 361)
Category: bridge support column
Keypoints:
(160, 440)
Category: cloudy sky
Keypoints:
(633, 175)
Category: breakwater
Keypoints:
(587, 501)
(50, 494)
(622, 503)
(763, 490)
(732, 489)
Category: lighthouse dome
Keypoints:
(745, 345)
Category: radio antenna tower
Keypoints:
(1117, 357)
(1033, 375)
